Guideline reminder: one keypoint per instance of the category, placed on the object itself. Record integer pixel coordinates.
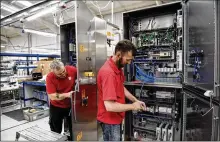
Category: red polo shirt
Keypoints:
(110, 87)
(61, 85)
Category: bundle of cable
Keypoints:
(147, 77)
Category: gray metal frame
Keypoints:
(184, 116)
(185, 40)
(185, 44)
(216, 114)
(177, 86)
(217, 49)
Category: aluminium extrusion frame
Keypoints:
(185, 44)
(216, 110)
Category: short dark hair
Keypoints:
(125, 46)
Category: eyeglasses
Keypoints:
(62, 73)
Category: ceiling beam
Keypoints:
(3, 38)
(49, 25)
(15, 30)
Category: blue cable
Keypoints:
(146, 77)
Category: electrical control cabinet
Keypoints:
(162, 119)
(175, 71)
(158, 38)
(157, 69)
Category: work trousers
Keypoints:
(56, 119)
(111, 132)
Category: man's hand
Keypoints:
(68, 95)
(137, 106)
(142, 104)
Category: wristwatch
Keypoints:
(57, 95)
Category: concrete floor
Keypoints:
(9, 127)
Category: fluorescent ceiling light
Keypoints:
(8, 20)
(9, 8)
(54, 1)
(40, 33)
(2, 16)
(35, 9)
(22, 14)
(25, 3)
(41, 13)
(2, 46)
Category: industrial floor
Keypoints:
(10, 126)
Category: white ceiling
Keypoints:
(47, 21)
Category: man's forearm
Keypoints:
(129, 96)
(117, 107)
(57, 96)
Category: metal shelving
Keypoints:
(38, 56)
(27, 95)
(29, 55)
(28, 87)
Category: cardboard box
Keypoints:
(43, 67)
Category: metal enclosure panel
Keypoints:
(83, 129)
(91, 54)
(97, 53)
(99, 34)
(83, 16)
(199, 37)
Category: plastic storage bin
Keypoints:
(38, 114)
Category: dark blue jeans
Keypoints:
(111, 132)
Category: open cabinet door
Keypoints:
(201, 71)
(200, 116)
(199, 43)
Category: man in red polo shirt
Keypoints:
(112, 93)
(60, 84)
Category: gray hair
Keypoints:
(56, 64)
